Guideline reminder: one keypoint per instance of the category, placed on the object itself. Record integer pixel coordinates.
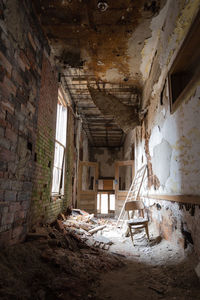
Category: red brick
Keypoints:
(6, 155)
(13, 207)
(7, 218)
(17, 235)
(10, 196)
(20, 215)
(11, 135)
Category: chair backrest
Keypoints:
(134, 205)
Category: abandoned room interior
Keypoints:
(99, 117)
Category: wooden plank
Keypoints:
(88, 192)
(97, 229)
(87, 207)
(122, 193)
(125, 163)
(108, 184)
(194, 199)
(87, 204)
(121, 200)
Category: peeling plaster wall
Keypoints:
(169, 143)
(106, 158)
(176, 143)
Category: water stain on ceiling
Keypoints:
(83, 34)
(100, 43)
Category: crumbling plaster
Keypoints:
(179, 17)
(169, 143)
(175, 221)
(125, 117)
(178, 131)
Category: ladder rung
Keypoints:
(133, 191)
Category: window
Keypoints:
(185, 71)
(59, 153)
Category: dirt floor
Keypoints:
(55, 263)
(153, 270)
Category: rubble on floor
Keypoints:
(64, 261)
(85, 226)
(154, 269)
(54, 263)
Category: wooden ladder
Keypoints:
(133, 193)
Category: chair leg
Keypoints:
(131, 234)
(147, 231)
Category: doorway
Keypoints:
(87, 186)
(105, 203)
(124, 174)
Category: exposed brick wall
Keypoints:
(28, 98)
(20, 69)
(43, 208)
(28, 104)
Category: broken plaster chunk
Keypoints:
(102, 239)
(126, 117)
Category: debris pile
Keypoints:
(84, 226)
(55, 262)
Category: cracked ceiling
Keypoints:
(103, 47)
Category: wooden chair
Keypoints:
(134, 223)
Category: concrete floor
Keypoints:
(153, 270)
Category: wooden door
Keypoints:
(87, 186)
(124, 174)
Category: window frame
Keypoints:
(60, 191)
(181, 66)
